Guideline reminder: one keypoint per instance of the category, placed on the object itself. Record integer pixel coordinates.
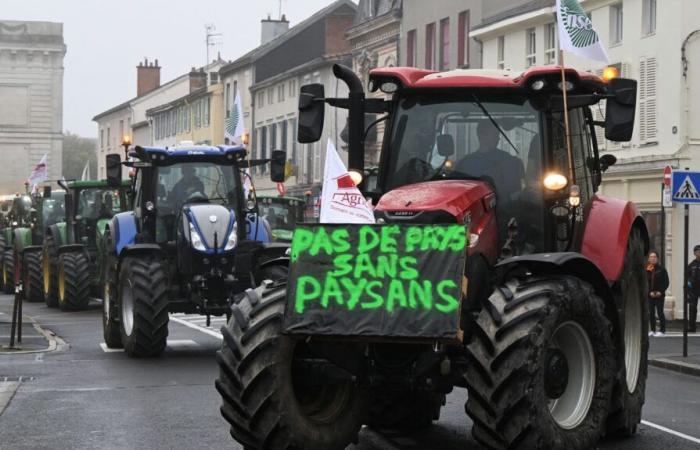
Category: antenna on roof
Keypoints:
(210, 28)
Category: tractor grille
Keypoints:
(424, 217)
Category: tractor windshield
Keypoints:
(99, 203)
(495, 139)
(53, 211)
(203, 181)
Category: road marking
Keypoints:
(204, 330)
(673, 432)
(173, 344)
(110, 350)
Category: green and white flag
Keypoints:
(576, 33)
(235, 128)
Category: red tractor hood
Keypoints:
(452, 196)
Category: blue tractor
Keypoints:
(191, 243)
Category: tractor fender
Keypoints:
(58, 233)
(22, 239)
(70, 248)
(258, 229)
(137, 250)
(608, 225)
(123, 228)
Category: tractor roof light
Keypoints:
(610, 73)
(574, 196)
(538, 84)
(555, 181)
(389, 87)
(356, 177)
(569, 86)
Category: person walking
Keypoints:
(657, 279)
(693, 290)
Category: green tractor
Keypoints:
(31, 215)
(282, 214)
(73, 250)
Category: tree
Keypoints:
(77, 151)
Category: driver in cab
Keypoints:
(188, 185)
(503, 170)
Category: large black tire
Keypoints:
(110, 324)
(630, 385)
(143, 306)
(33, 286)
(8, 272)
(73, 281)
(276, 272)
(264, 404)
(49, 266)
(411, 410)
(530, 332)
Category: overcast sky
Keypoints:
(106, 39)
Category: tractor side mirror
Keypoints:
(114, 170)
(47, 192)
(311, 113)
(277, 165)
(620, 110)
(606, 161)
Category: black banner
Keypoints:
(395, 281)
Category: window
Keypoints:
(206, 104)
(273, 137)
(261, 99)
(280, 93)
(411, 48)
(263, 143)
(270, 96)
(284, 137)
(293, 125)
(102, 138)
(292, 88)
(109, 137)
(550, 43)
(649, 17)
(430, 46)
(121, 129)
(616, 24)
(228, 99)
(501, 64)
(463, 40)
(445, 44)
(531, 47)
(317, 162)
(197, 114)
(235, 89)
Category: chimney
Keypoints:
(272, 28)
(198, 79)
(147, 77)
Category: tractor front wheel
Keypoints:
(110, 324)
(73, 281)
(542, 366)
(33, 291)
(50, 272)
(143, 306)
(265, 401)
(8, 272)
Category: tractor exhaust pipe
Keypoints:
(356, 117)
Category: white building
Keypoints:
(644, 41)
(31, 100)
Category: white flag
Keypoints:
(576, 33)
(235, 128)
(40, 173)
(341, 201)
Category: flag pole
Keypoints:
(567, 130)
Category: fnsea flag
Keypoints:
(341, 201)
(40, 173)
(235, 128)
(576, 32)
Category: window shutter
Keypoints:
(642, 88)
(650, 100)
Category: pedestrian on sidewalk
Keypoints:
(693, 289)
(657, 281)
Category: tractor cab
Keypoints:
(282, 214)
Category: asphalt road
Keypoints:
(84, 397)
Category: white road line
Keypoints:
(106, 349)
(197, 327)
(673, 432)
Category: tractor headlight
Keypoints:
(232, 238)
(196, 239)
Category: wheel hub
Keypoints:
(556, 373)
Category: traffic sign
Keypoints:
(667, 202)
(685, 187)
(667, 176)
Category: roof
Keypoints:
(524, 8)
(298, 28)
(94, 184)
(190, 153)
(413, 78)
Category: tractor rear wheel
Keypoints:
(49, 267)
(8, 271)
(73, 281)
(143, 306)
(542, 366)
(264, 403)
(33, 291)
(628, 395)
(405, 410)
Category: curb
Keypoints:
(54, 341)
(676, 366)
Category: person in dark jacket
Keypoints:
(693, 290)
(657, 278)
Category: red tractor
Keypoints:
(552, 340)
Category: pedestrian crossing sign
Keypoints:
(685, 187)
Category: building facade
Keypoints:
(436, 34)
(653, 45)
(31, 105)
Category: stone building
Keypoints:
(31, 100)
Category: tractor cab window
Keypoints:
(53, 211)
(98, 204)
(580, 146)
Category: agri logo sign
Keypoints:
(577, 24)
(346, 194)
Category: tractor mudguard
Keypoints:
(608, 225)
(22, 239)
(58, 232)
(140, 250)
(258, 230)
(124, 231)
(71, 248)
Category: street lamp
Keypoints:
(126, 142)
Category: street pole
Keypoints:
(662, 250)
(686, 212)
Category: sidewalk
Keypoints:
(33, 339)
(667, 352)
